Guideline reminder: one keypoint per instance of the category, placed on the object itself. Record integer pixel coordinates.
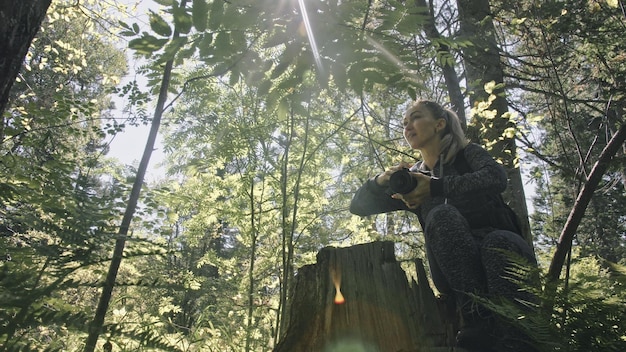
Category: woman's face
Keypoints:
(421, 128)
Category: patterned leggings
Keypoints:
(462, 260)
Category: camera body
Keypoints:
(402, 181)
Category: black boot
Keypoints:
(478, 327)
(514, 340)
(477, 336)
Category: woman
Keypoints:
(466, 225)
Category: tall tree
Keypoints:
(561, 59)
(234, 142)
(572, 91)
(56, 211)
(95, 328)
(483, 65)
(19, 23)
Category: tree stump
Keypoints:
(382, 311)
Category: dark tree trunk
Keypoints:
(449, 72)
(482, 65)
(382, 310)
(19, 23)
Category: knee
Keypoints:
(445, 221)
(442, 213)
(501, 241)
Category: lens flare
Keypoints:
(335, 275)
(309, 33)
(391, 57)
(339, 299)
(350, 345)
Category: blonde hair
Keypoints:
(452, 137)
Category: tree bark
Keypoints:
(96, 326)
(482, 64)
(382, 310)
(19, 23)
(449, 72)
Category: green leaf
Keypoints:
(124, 25)
(147, 44)
(277, 38)
(374, 76)
(186, 53)
(165, 2)
(159, 26)
(356, 78)
(340, 76)
(222, 43)
(173, 47)
(238, 39)
(234, 76)
(200, 15)
(412, 93)
(395, 78)
(206, 45)
(217, 12)
(289, 83)
(408, 23)
(128, 33)
(280, 69)
(264, 87)
(182, 20)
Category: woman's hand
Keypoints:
(383, 179)
(419, 194)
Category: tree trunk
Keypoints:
(96, 326)
(382, 311)
(19, 23)
(482, 64)
(449, 72)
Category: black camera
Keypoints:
(402, 181)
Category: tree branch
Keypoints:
(578, 211)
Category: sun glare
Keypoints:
(309, 33)
(391, 57)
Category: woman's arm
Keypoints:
(485, 175)
(373, 198)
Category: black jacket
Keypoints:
(471, 182)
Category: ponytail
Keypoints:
(453, 138)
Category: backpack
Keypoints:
(489, 210)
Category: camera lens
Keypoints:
(402, 181)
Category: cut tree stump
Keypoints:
(382, 310)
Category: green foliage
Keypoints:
(585, 316)
(355, 50)
(159, 25)
(272, 128)
(570, 106)
(270, 176)
(57, 210)
(182, 18)
(200, 15)
(592, 308)
(147, 44)
(569, 98)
